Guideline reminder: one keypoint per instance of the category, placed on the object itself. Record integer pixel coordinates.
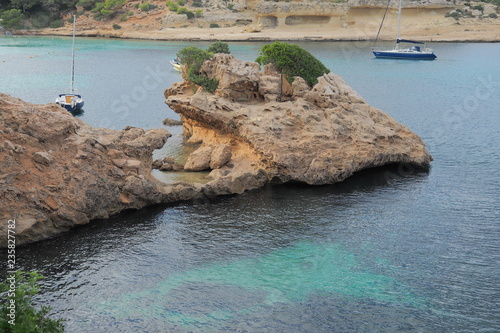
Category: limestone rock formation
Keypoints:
(278, 132)
(57, 172)
(200, 159)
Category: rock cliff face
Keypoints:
(57, 172)
(426, 20)
(282, 133)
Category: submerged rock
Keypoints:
(318, 135)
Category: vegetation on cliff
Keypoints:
(193, 57)
(17, 313)
(35, 14)
(18, 14)
(292, 60)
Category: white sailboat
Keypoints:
(71, 101)
(414, 52)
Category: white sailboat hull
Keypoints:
(70, 102)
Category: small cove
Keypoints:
(388, 250)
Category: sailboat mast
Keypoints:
(399, 23)
(71, 88)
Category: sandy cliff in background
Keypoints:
(297, 20)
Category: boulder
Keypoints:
(199, 160)
(221, 154)
(43, 158)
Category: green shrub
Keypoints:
(494, 2)
(218, 47)
(479, 7)
(455, 15)
(123, 17)
(230, 6)
(27, 318)
(184, 10)
(493, 15)
(116, 26)
(203, 80)
(87, 4)
(108, 13)
(56, 23)
(197, 3)
(105, 9)
(11, 19)
(214, 25)
(172, 6)
(146, 7)
(42, 19)
(193, 58)
(181, 2)
(292, 60)
(198, 13)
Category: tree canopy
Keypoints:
(193, 58)
(293, 60)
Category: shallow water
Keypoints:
(390, 250)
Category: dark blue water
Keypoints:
(390, 250)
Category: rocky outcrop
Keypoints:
(281, 133)
(57, 172)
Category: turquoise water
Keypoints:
(288, 275)
(390, 250)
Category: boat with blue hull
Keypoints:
(415, 52)
(71, 101)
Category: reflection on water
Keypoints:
(181, 176)
(77, 113)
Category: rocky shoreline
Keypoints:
(486, 32)
(58, 172)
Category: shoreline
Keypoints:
(486, 32)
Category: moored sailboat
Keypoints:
(414, 52)
(71, 101)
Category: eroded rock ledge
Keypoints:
(280, 132)
(57, 172)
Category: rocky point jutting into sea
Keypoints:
(58, 172)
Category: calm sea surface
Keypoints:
(390, 250)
